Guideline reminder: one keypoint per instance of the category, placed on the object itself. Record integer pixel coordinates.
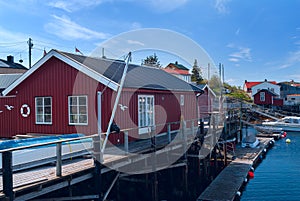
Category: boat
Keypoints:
(288, 123)
(41, 155)
(250, 141)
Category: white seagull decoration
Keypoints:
(9, 107)
(123, 107)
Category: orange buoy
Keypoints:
(251, 175)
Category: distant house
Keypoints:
(292, 99)
(10, 67)
(251, 88)
(206, 101)
(9, 72)
(267, 98)
(68, 93)
(179, 71)
(287, 89)
(7, 79)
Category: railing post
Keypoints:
(7, 177)
(58, 159)
(169, 132)
(126, 145)
(98, 159)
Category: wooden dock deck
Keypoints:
(34, 182)
(225, 186)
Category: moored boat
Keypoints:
(288, 123)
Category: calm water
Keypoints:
(278, 176)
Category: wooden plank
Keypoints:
(225, 186)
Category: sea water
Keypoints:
(277, 177)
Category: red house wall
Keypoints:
(268, 99)
(58, 80)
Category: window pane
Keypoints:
(73, 110)
(82, 100)
(82, 118)
(39, 101)
(73, 100)
(47, 101)
(82, 109)
(48, 118)
(39, 118)
(47, 110)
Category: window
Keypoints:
(78, 110)
(182, 100)
(262, 96)
(145, 113)
(43, 110)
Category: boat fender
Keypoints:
(238, 193)
(245, 180)
(251, 175)
(288, 140)
(252, 169)
(25, 110)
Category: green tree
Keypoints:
(151, 60)
(196, 74)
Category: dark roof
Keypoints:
(268, 91)
(179, 66)
(137, 76)
(8, 64)
(7, 79)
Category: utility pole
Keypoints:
(30, 45)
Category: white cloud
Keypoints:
(221, 6)
(234, 59)
(293, 58)
(242, 54)
(74, 5)
(65, 28)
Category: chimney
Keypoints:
(176, 62)
(246, 81)
(10, 59)
(266, 80)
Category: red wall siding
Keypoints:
(58, 80)
(268, 99)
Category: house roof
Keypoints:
(204, 86)
(176, 71)
(252, 84)
(8, 79)
(266, 90)
(178, 66)
(109, 73)
(11, 64)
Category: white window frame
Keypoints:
(262, 96)
(78, 113)
(43, 110)
(146, 126)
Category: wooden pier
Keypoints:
(225, 186)
(31, 183)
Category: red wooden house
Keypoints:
(68, 93)
(267, 98)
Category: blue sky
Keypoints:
(254, 40)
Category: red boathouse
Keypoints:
(68, 93)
